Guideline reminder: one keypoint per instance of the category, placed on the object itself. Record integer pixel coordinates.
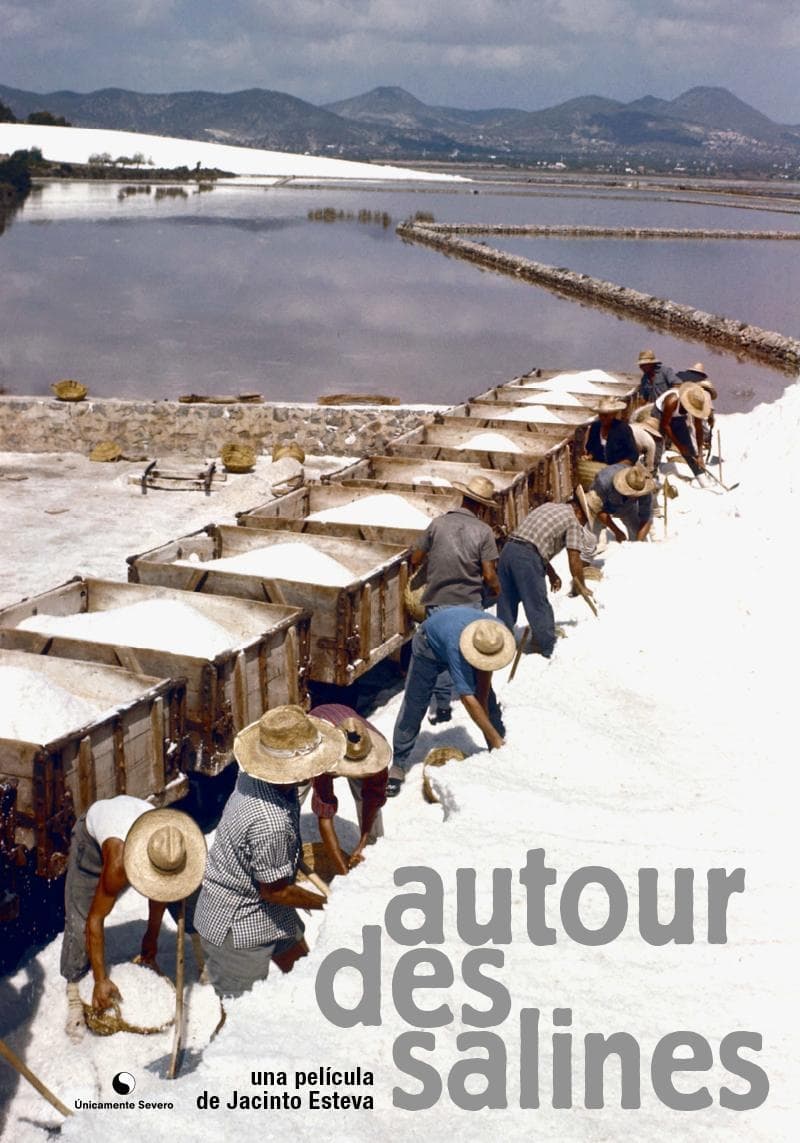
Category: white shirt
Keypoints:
(113, 817)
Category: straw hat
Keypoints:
(647, 357)
(165, 855)
(709, 388)
(478, 488)
(610, 405)
(632, 480)
(696, 373)
(583, 500)
(487, 644)
(366, 752)
(106, 451)
(286, 746)
(594, 502)
(69, 390)
(695, 400)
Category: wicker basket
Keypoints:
(109, 1021)
(238, 457)
(106, 451)
(288, 448)
(586, 471)
(69, 390)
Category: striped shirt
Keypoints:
(257, 842)
(551, 527)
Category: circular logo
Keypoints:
(123, 1083)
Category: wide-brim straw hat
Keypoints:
(695, 400)
(709, 388)
(286, 746)
(288, 448)
(610, 405)
(479, 488)
(583, 500)
(648, 357)
(165, 855)
(366, 751)
(633, 480)
(696, 373)
(487, 644)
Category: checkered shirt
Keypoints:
(257, 841)
(552, 527)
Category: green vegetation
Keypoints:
(367, 217)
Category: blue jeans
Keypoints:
(423, 671)
(521, 571)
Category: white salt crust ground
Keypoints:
(382, 508)
(660, 735)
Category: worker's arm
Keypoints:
(112, 881)
(417, 556)
(667, 413)
(607, 522)
(554, 578)
(477, 712)
(698, 436)
(489, 573)
(150, 938)
(327, 832)
(286, 892)
(576, 567)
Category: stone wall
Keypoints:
(42, 424)
(713, 329)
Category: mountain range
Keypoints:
(704, 127)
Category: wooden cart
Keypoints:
(352, 627)
(136, 746)
(267, 664)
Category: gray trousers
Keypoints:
(83, 876)
(234, 971)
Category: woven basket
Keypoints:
(586, 471)
(238, 457)
(68, 390)
(438, 756)
(109, 1021)
(106, 451)
(288, 448)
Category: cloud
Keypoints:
(472, 53)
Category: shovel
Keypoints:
(25, 1071)
(581, 590)
(177, 1039)
(523, 639)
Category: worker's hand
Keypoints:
(555, 583)
(354, 859)
(104, 994)
(149, 948)
(580, 588)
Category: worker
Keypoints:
(649, 439)
(626, 492)
(525, 566)
(610, 440)
(656, 378)
(681, 412)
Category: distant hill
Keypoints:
(701, 127)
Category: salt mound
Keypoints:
(539, 415)
(148, 1000)
(158, 624)
(299, 562)
(549, 398)
(382, 508)
(35, 709)
(490, 442)
(435, 481)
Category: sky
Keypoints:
(528, 54)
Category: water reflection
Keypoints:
(240, 290)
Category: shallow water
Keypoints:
(237, 289)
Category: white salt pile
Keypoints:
(382, 508)
(589, 381)
(148, 1000)
(546, 397)
(158, 624)
(292, 561)
(35, 709)
(538, 415)
(490, 442)
(434, 481)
